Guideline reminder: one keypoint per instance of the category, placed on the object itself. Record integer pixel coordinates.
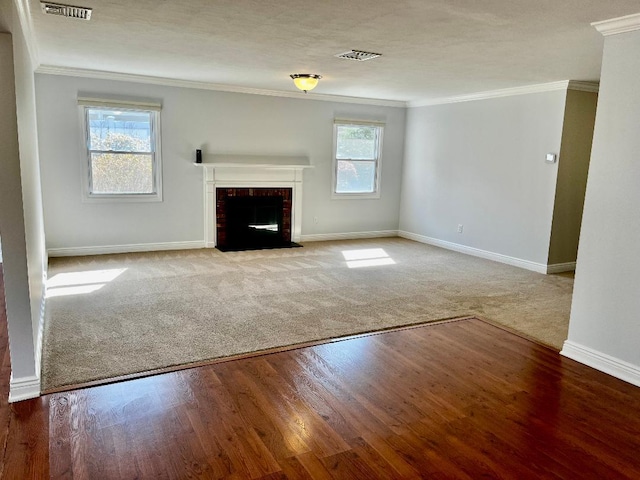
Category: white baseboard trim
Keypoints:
(321, 237)
(23, 388)
(476, 252)
(137, 247)
(561, 267)
(601, 361)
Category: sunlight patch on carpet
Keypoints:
(368, 257)
(78, 283)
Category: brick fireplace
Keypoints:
(250, 176)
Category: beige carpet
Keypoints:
(113, 315)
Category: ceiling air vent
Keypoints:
(81, 13)
(358, 55)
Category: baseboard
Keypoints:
(476, 252)
(561, 267)
(23, 388)
(601, 361)
(321, 237)
(137, 247)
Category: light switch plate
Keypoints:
(551, 158)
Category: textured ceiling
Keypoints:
(431, 48)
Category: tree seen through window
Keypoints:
(121, 151)
(356, 158)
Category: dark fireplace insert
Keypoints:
(253, 218)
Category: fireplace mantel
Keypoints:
(252, 171)
(252, 161)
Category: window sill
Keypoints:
(114, 198)
(355, 196)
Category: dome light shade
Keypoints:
(305, 81)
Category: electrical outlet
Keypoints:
(460, 228)
(315, 219)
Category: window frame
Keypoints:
(377, 161)
(153, 109)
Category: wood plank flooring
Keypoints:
(461, 399)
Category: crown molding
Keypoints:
(172, 82)
(618, 25)
(510, 92)
(505, 92)
(592, 87)
(26, 25)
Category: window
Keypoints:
(356, 163)
(123, 151)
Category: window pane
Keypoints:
(122, 131)
(357, 142)
(355, 177)
(121, 173)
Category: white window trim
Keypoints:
(334, 177)
(87, 196)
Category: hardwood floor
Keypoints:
(462, 399)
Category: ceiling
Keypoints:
(430, 48)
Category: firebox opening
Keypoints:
(254, 219)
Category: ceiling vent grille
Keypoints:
(358, 55)
(70, 11)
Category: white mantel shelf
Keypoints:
(253, 165)
(252, 171)
(253, 161)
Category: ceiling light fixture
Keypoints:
(305, 81)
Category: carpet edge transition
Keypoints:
(256, 353)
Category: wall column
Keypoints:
(25, 381)
(604, 330)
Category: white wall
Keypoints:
(219, 122)
(604, 329)
(21, 221)
(481, 164)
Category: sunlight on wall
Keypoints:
(370, 257)
(77, 283)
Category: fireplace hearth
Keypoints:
(253, 218)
